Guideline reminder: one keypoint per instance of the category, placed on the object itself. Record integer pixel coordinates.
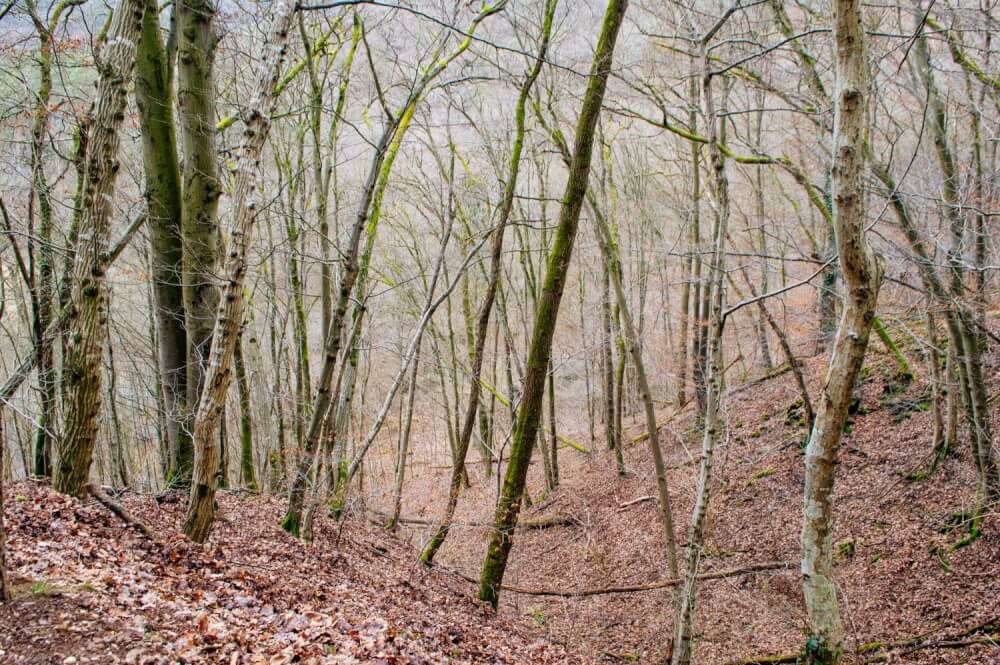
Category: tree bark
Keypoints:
(229, 318)
(154, 95)
(862, 272)
(196, 98)
(529, 412)
(87, 326)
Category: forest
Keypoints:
(499, 331)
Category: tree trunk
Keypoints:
(196, 96)
(609, 248)
(154, 97)
(119, 467)
(982, 430)
(529, 412)
(229, 318)
(44, 289)
(862, 273)
(247, 475)
(87, 326)
(5, 594)
(713, 372)
(366, 217)
(489, 298)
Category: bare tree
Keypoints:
(862, 276)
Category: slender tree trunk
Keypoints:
(982, 432)
(529, 411)
(44, 288)
(682, 339)
(404, 444)
(609, 247)
(229, 318)
(939, 442)
(404, 440)
(608, 371)
(862, 273)
(5, 594)
(367, 216)
(489, 298)
(553, 434)
(586, 357)
(87, 326)
(765, 349)
(119, 468)
(953, 379)
(786, 349)
(715, 291)
(248, 477)
(827, 303)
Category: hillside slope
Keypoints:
(897, 577)
(90, 589)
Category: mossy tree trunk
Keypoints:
(154, 96)
(539, 356)
(43, 290)
(862, 272)
(87, 326)
(196, 98)
(489, 298)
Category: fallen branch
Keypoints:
(573, 444)
(118, 509)
(648, 497)
(993, 639)
(866, 652)
(770, 374)
(540, 523)
(662, 584)
(662, 423)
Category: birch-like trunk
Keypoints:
(684, 625)
(862, 272)
(229, 317)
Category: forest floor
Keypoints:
(897, 576)
(91, 589)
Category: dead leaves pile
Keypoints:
(90, 589)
